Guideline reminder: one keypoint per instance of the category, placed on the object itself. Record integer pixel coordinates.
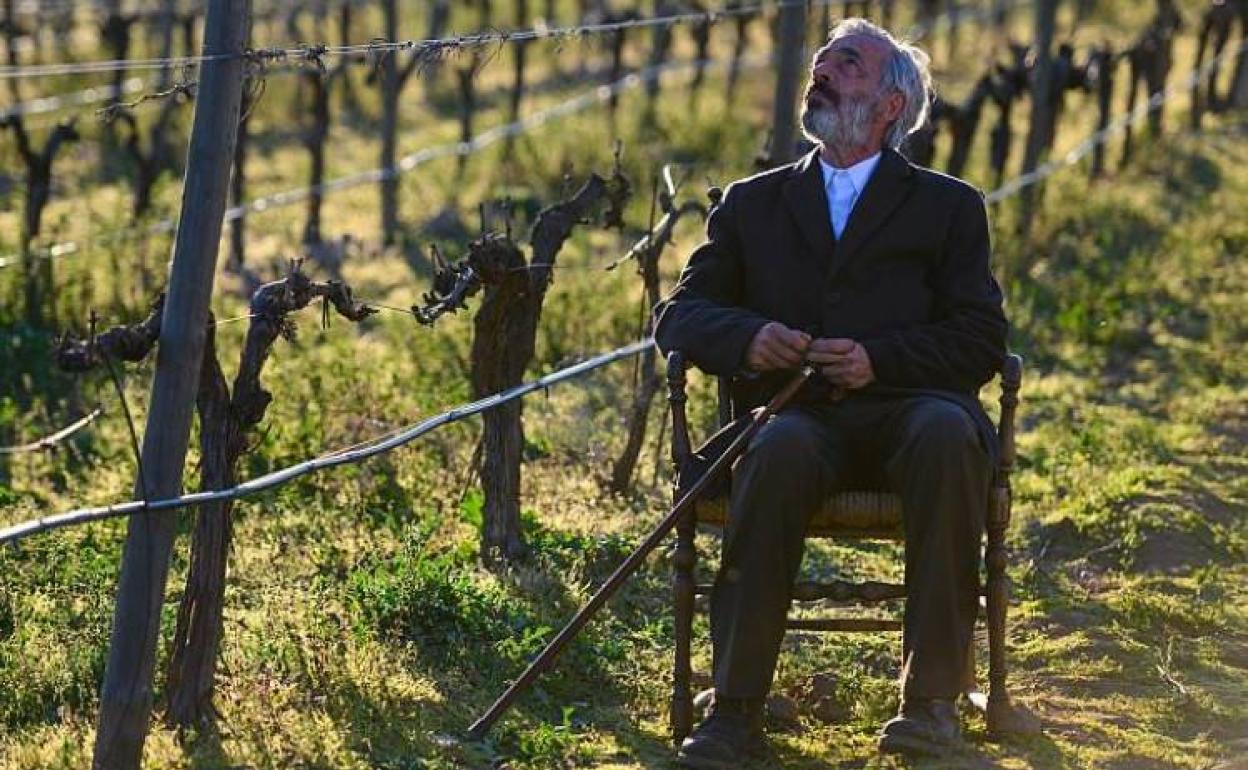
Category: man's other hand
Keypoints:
(843, 362)
(776, 346)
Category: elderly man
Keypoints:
(877, 272)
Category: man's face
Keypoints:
(843, 106)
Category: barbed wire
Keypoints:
(1116, 126)
(333, 458)
(431, 47)
(35, 7)
(584, 100)
(51, 441)
(408, 163)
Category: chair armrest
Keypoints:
(676, 397)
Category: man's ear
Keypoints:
(894, 103)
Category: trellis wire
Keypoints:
(431, 46)
(1117, 126)
(50, 441)
(410, 162)
(581, 102)
(93, 95)
(331, 459)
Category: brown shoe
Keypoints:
(924, 727)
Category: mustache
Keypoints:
(826, 91)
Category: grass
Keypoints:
(362, 632)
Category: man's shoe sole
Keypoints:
(694, 762)
(911, 745)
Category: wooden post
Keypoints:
(964, 123)
(439, 17)
(791, 33)
(393, 78)
(238, 184)
(1041, 104)
(126, 697)
(314, 138)
(1239, 81)
(116, 35)
(660, 51)
(739, 42)
(389, 126)
(1104, 62)
(238, 193)
(519, 51)
(465, 79)
(616, 42)
(701, 34)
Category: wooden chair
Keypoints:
(856, 515)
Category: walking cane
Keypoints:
(543, 661)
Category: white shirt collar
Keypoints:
(859, 173)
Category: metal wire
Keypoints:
(1117, 126)
(408, 163)
(429, 45)
(25, 529)
(50, 441)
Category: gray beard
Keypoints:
(847, 125)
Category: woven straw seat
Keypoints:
(852, 515)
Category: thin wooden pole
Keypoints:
(791, 34)
(126, 699)
(1041, 105)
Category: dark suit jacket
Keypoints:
(909, 279)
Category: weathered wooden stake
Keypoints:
(126, 697)
(790, 37)
(389, 126)
(1104, 62)
(660, 50)
(741, 39)
(1041, 104)
(238, 183)
(520, 52)
(314, 138)
(1239, 81)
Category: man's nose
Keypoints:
(821, 73)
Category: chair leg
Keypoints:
(1003, 717)
(684, 560)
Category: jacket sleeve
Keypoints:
(964, 345)
(702, 316)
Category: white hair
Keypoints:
(905, 71)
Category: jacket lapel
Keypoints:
(888, 188)
(807, 202)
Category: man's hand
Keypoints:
(843, 361)
(776, 346)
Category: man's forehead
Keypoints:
(864, 46)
